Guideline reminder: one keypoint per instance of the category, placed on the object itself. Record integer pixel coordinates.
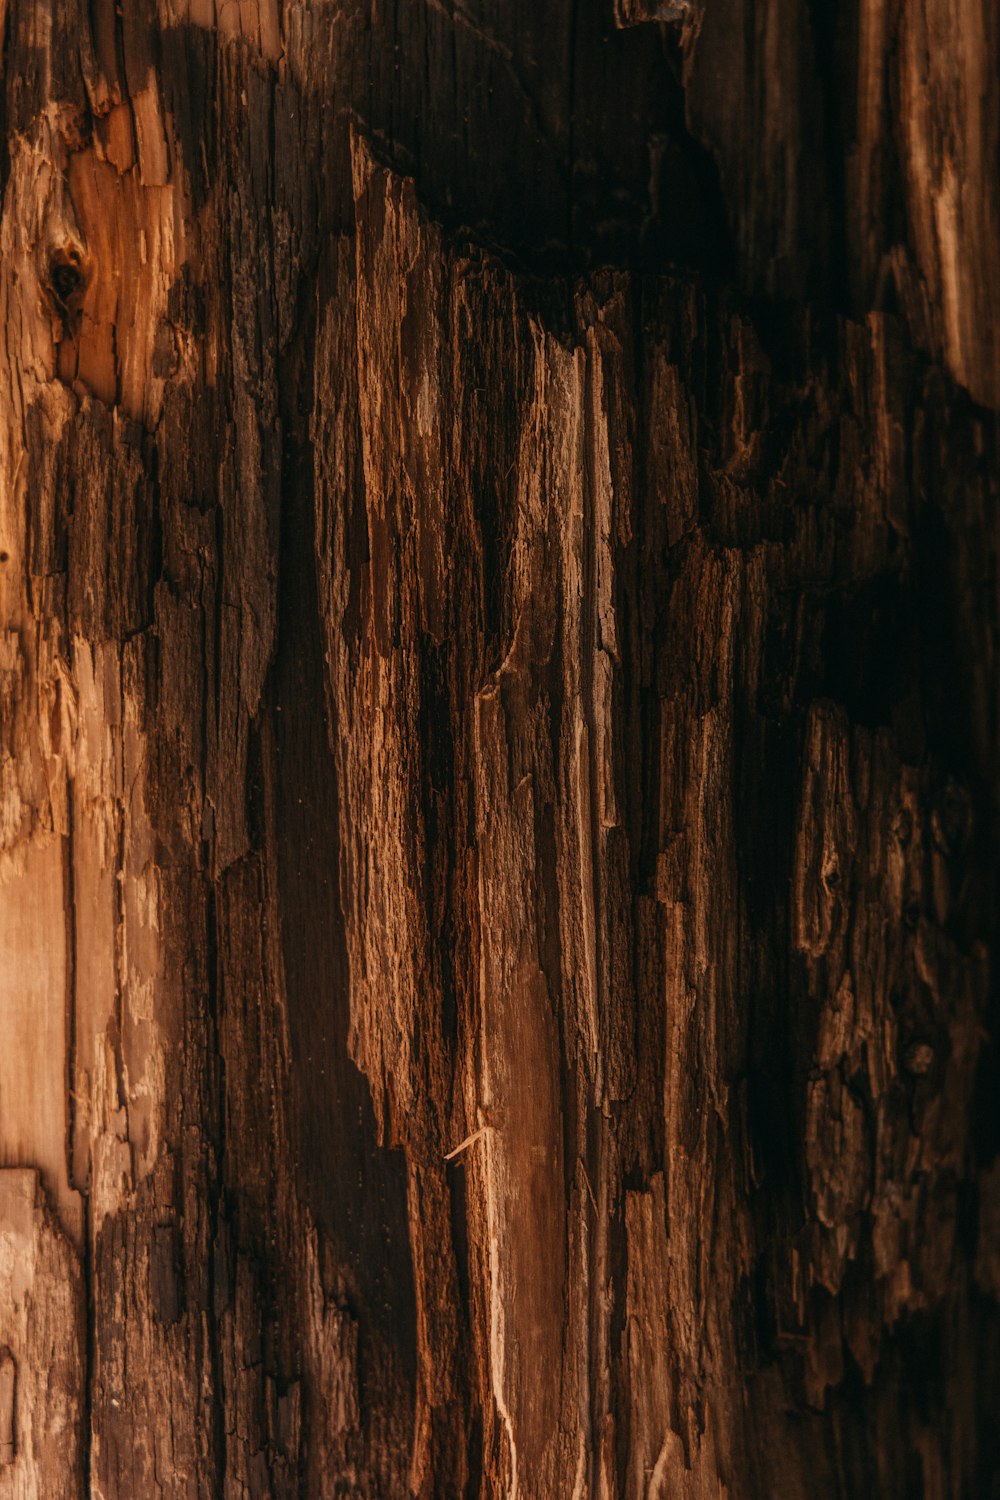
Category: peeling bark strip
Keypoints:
(498, 756)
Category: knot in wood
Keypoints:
(918, 1059)
(66, 276)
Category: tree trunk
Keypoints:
(498, 750)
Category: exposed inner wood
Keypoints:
(498, 750)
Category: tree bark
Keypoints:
(498, 750)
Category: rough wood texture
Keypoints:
(498, 743)
(857, 149)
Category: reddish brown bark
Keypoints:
(498, 718)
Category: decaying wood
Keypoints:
(498, 744)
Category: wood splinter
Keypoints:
(470, 1140)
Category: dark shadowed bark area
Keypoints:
(499, 615)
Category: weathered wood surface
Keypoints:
(498, 744)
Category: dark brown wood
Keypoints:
(498, 745)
